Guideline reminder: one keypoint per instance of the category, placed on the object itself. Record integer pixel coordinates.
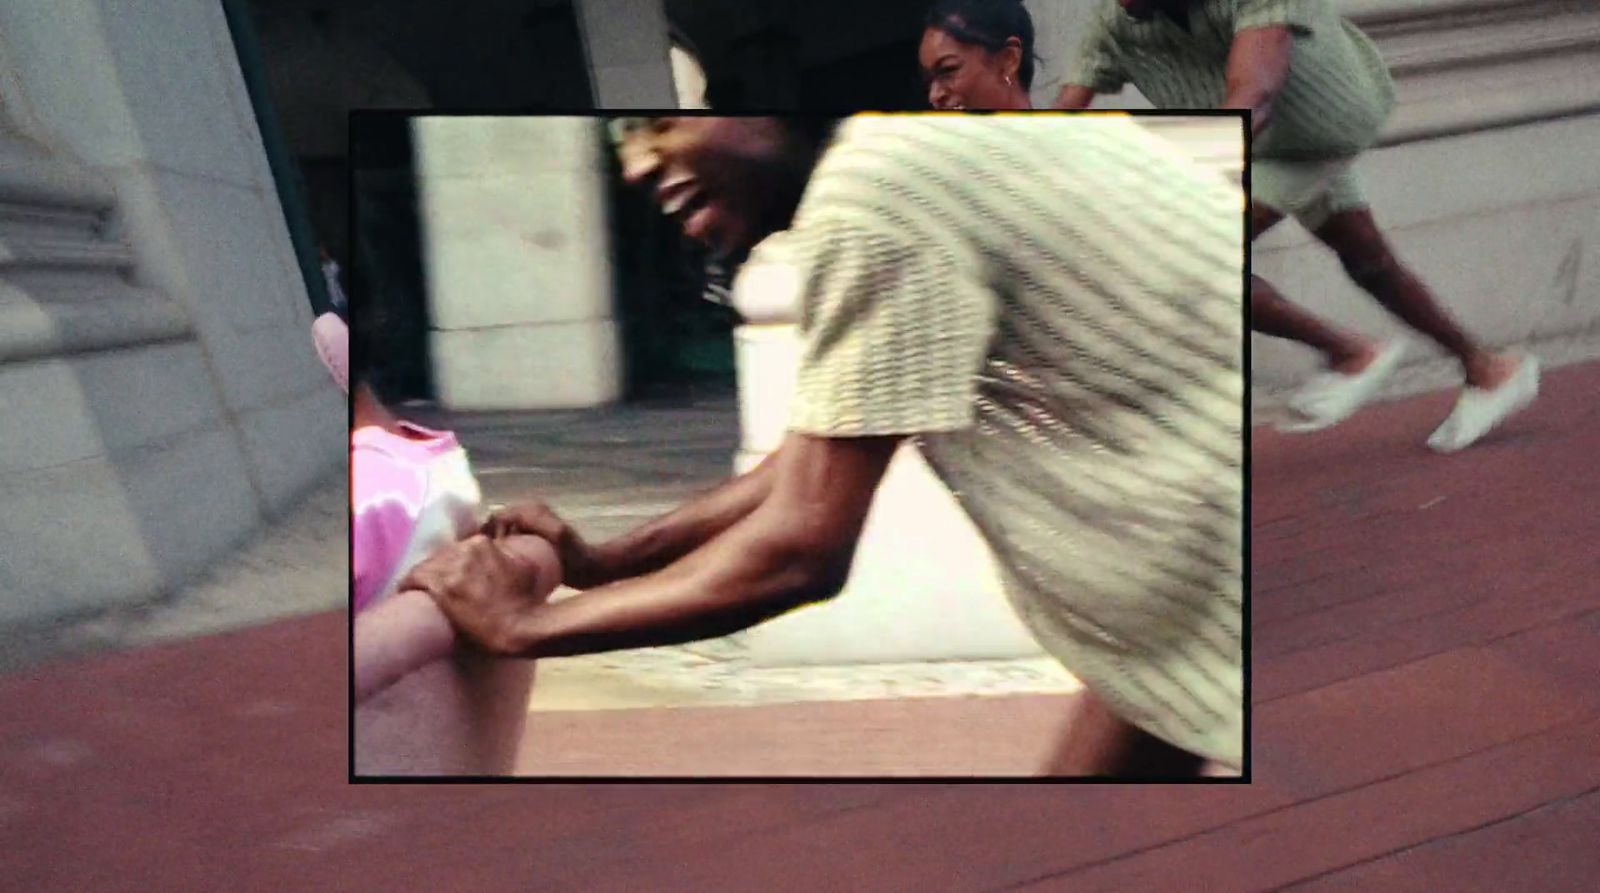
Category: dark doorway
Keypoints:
(388, 298)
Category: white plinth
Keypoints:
(924, 584)
(554, 366)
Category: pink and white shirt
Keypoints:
(411, 492)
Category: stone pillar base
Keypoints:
(553, 366)
(924, 586)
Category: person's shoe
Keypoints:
(1332, 397)
(1479, 411)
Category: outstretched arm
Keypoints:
(1258, 67)
(1074, 96)
(648, 548)
(659, 543)
(795, 547)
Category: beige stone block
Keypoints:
(106, 531)
(555, 366)
(516, 250)
(766, 359)
(62, 60)
(296, 443)
(222, 250)
(269, 366)
(621, 32)
(1470, 175)
(475, 148)
(635, 86)
(82, 407)
(177, 67)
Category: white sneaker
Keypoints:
(1478, 411)
(1332, 397)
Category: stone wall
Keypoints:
(161, 395)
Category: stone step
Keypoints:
(37, 250)
(112, 315)
(59, 221)
(29, 176)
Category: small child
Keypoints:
(423, 706)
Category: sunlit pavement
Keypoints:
(1425, 635)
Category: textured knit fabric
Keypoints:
(1338, 95)
(1053, 305)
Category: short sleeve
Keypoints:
(386, 501)
(895, 330)
(1297, 15)
(1096, 65)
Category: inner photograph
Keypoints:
(691, 445)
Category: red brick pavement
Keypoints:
(1426, 640)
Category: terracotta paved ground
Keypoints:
(1426, 642)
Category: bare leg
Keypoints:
(1271, 314)
(1100, 743)
(1371, 263)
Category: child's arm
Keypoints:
(407, 631)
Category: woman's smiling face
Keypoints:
(967, 76)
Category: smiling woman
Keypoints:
(978, 54)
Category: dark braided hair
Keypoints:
(989, 24)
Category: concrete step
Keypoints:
(29, 175)
(45, 250)
(106, 315)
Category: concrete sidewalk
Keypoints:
(1425, 636)
(297, 565)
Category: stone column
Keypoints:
(627, 45)
(516, 250)
(162, 396)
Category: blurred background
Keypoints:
(191, 167)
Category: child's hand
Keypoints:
(580, 563)
(486, 588)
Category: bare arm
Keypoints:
(648, 548)
(1258, 67)
(659, 543)
(407, 631)
(1074, 96)
(395, 637)
(795, 547)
